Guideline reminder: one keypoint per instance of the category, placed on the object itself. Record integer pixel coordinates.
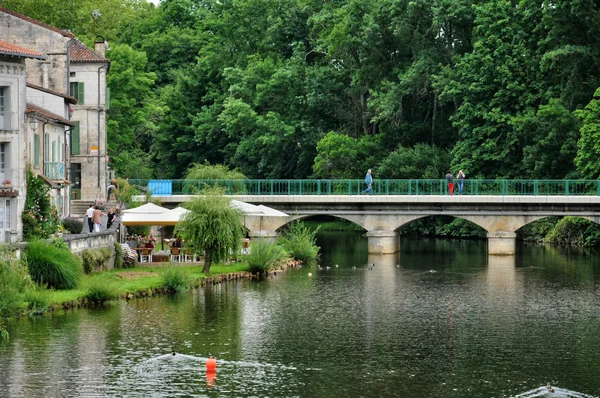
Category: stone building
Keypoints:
(47, 139)
(71, 69)
(89, 150)
(12, 145)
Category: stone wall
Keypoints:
(50, 73)
(79, 242)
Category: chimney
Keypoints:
(99, 47)
(45, 75)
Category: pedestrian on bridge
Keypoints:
(450, 181)
(369, 182)
(461, 180)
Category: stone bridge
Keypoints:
(382, 216)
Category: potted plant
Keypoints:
(6, 183)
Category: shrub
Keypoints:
(13, 283)
(265, 256)
(73, 225)
(100, 289)
(38, 301)
(95, 259)
(300, 242)
(574, 230)
(53, 266)
(118, 255)
(59, 243)
(174, 279)
(39, 216)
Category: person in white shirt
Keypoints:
(89, 214)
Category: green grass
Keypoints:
(131, 280)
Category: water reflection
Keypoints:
(447, 321)
(502, 275)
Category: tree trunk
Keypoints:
(207, 261)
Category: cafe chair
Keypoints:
(188, 257)
(175, 254)
(145, 255)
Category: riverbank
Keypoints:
(141, 281)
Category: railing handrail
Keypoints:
(471, 187)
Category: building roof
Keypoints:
(70, 99)
(48, 115)
(82, 53)
(42, 24)
(13, 50)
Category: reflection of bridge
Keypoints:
(383, 215)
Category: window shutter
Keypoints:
(81, 93)
(75, 139)
(46, 148)
(59, 147)
(107, 98)
(36, 150)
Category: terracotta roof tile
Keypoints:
(70, 99)
(82, 53)
(48, 115)
(42, 24)
(7, 48)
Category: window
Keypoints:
(75, 139)
(77, 91)
(4, 108)
(5, 214)
(46, 147)
(36, 151)
(4, 161)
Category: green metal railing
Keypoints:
(380, 187)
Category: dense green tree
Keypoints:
(134, 111)
(420, 161)
(85, 18)
(497, 83)
(588, 151)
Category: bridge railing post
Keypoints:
(567, 187)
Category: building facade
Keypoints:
(12, 146)
(71, 69)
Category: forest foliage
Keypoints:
(314, 89)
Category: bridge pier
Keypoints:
(383, 242)
(269, 236)
(502, 243)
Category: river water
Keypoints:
(438, 319)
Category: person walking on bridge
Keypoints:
(450, 181)
(369, 182)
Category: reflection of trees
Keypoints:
(565, 265)
(443, 254)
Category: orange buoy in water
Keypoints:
(211, 364)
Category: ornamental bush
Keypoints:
(100, 289)
(95, 259)
(300, 242)
(52, 266)
(174, 279)
(13, 283)
(265, 256)
(73, 225)
(40, 219)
